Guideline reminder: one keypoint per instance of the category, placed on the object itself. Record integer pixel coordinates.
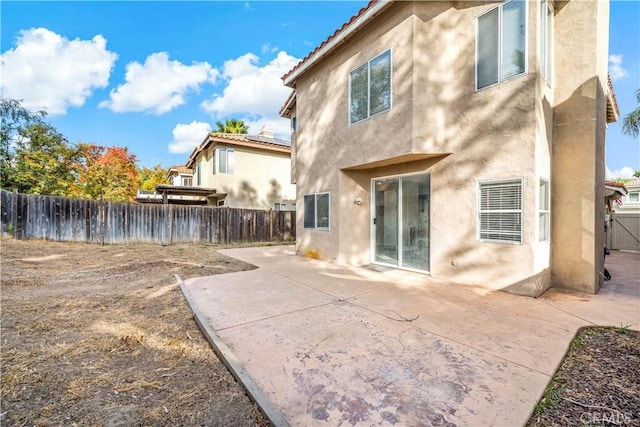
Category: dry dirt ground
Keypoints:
(101, 335)
(597, 383)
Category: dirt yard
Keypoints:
(101, 335)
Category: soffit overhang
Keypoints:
(392, 161)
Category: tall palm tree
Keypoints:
(232, 126)
(631, 122)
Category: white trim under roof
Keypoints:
(334, 42)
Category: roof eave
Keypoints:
(290, 79)
(613, 111)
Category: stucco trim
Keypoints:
(404, 158)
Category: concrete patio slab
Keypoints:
(335, 345)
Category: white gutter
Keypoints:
(333, 43)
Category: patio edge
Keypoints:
(233, 364)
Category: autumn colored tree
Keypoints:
(109, 172)
(148, 178)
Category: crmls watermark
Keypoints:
(604, 418)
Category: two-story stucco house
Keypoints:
(244, 171)
(462, 139)
(179, 175)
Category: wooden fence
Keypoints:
(63, 219)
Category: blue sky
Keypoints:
(156, 76)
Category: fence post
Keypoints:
(102, 219)
(170, 225)
(14, 212)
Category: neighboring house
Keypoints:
(179, 191)
(462, 139)
(630, 203)
(245, 171)
(180, 176)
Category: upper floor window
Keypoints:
(213, 162)
(294, 124)
(500, 211)
(225, 160)
(633, 197)
(370, 88)
(198, 181)
(500, 45)
(187, 181)
(546, 40)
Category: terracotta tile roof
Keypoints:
(251, 141)
(345, 26)
(181, 169)
(633, 183)
(614, 184)
(613, 112)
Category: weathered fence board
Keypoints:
(77, 220)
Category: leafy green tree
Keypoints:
(631, 122)
(14, 119)
(44, 162)
(148, 178)
(637, 174)
(232, 126)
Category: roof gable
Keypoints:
(260, 142)
(349, 28)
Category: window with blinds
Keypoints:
(500, 211)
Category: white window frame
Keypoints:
(186, 180)
(368, 65)
(544, 210)
(198, 175)
(505, 182)
(500, 44)
(213, 161)
(636, 193)
(228, 165)
(547, 28)
(315, 211)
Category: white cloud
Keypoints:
(624, 172)
(615, 67)
(254, 92)
(267, 48)
(159, 85)
(48, 71)
(186, 137)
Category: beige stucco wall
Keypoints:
(260, 179)
(578, 144)
(500, 132)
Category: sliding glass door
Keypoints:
(400, 229)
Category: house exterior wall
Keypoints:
(578, 145)
(445, 127)
(260, 178)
